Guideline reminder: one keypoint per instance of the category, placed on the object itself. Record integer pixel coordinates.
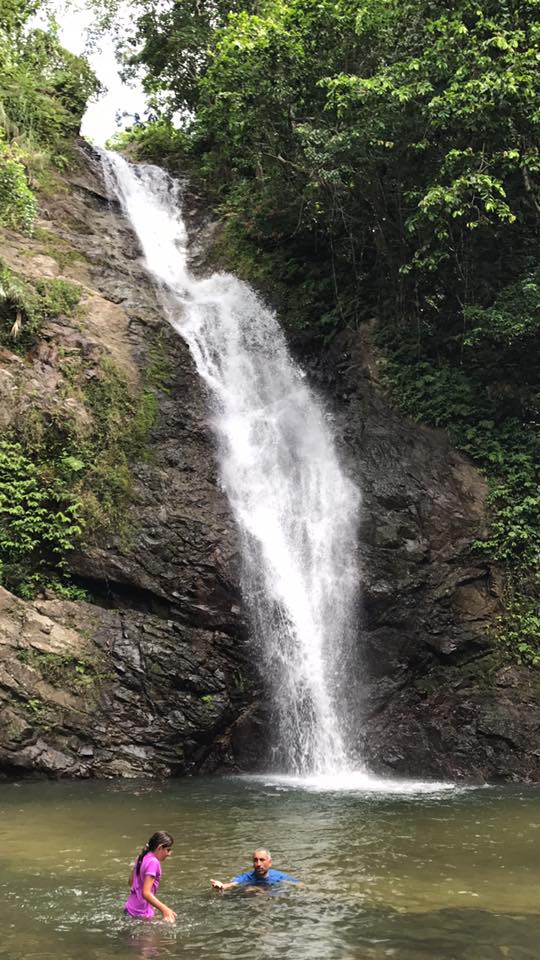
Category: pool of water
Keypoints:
(440, 874)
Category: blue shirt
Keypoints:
(273, 876)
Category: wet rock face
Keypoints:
(86, 691)
(433, 697)
(152, 677)
(156, 676)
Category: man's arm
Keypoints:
(221, 887)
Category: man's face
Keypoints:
(261, 862)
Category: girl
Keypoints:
(145, 877)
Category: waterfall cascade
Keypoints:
(295, 509)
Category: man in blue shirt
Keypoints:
(261, 876)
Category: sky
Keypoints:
(99, 121)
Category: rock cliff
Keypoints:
(154, 674)
(438, 696)
(151, 677)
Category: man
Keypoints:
(261, 876)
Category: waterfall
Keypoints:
(295, 509)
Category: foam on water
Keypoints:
(355, 781)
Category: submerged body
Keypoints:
(251, 878)
(144, 880)
(261, 876)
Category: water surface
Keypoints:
(442, 875)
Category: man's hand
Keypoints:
(217, 885)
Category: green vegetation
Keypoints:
(174, 44)
(481, 386)
(38, 715)
(380, 159)
(25, 305)
(43, 93)
(39, 520)
(66, 465)
(377, 159)
(122, 418)
(17, 202)
(64, 670)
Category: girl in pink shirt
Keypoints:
(145, 878)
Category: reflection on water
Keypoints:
(441, 875)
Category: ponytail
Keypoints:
(159, 839)
(144, 851)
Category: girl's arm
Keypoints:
(131, 878)
(168, 915)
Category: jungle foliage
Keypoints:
(380, 158)
(43, 93)
(66, 462)
(66, 465)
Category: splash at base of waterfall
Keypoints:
(355, 781)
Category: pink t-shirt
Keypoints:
(135, 904)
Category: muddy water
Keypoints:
(441, 875)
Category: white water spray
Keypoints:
(296, 511)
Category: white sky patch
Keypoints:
(99, 122)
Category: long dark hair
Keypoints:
(158, 839)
